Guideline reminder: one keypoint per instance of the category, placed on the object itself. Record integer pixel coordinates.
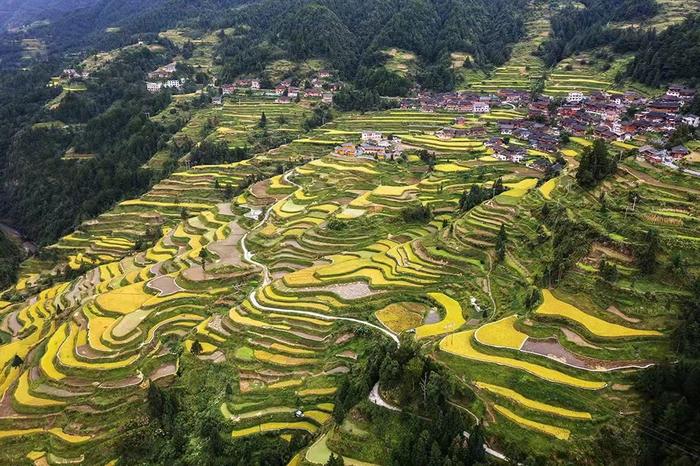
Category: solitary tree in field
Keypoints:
(501, 241)
(17, 361)
(263, 120)
(647, 253)
(196, 347)
(204, 255)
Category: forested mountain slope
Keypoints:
(351, 33)
(16, 13)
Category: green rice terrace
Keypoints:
(275, 286)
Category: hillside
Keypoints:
(17, 13)
(372, 233)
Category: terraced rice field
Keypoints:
(303, 269)
(596, 326)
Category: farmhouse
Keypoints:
(371, 136)
(228, 89)
(678, 152)
(327, 98)
(691, 120)
(313, 93)
(153, 86)
(164, 71)
(652, 155)
(481, 107)
(347, 149)
(174, 83)
(575, 97)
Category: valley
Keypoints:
(245, 254)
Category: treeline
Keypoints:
(576, 29)
(671, 56)
(45, 195)
(10, 257)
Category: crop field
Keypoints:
(283, 286)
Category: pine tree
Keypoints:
(334, 460)
(203, 255)
(501, 241)
(263, 120)
(476, 444)
(647, 253)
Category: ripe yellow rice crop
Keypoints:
(319, 416)
(450, 168)
(207, 348)
(452, 321)
(547, 188)
(286, 384)
(460, 344)
(56, 431)
(280, 359)
(181, 205)
(273, 426)
(394, 191)
(557, 432)
(361, 201)
(501, 334)
(328, 407)
(398, 318)
(327, 208)
(317, 391)
(599, 327)
(520, 188)
(124, 300)
(340, 167)
(289, 349)
(24, 397)
(278, 183)
(66, 355)
(532, 404)
(236, 317)
(623, 145)
(47, 360)
(310, 320)
(349, 213)
(581, 141)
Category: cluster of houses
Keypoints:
(373, 145)
(451, 101)
(73, 74)
(613, 117)
(624, 116)
(162, 78)
(318, 87)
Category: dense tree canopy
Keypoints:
(671, 56)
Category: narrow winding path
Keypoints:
(249, 256)
(374, 395)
